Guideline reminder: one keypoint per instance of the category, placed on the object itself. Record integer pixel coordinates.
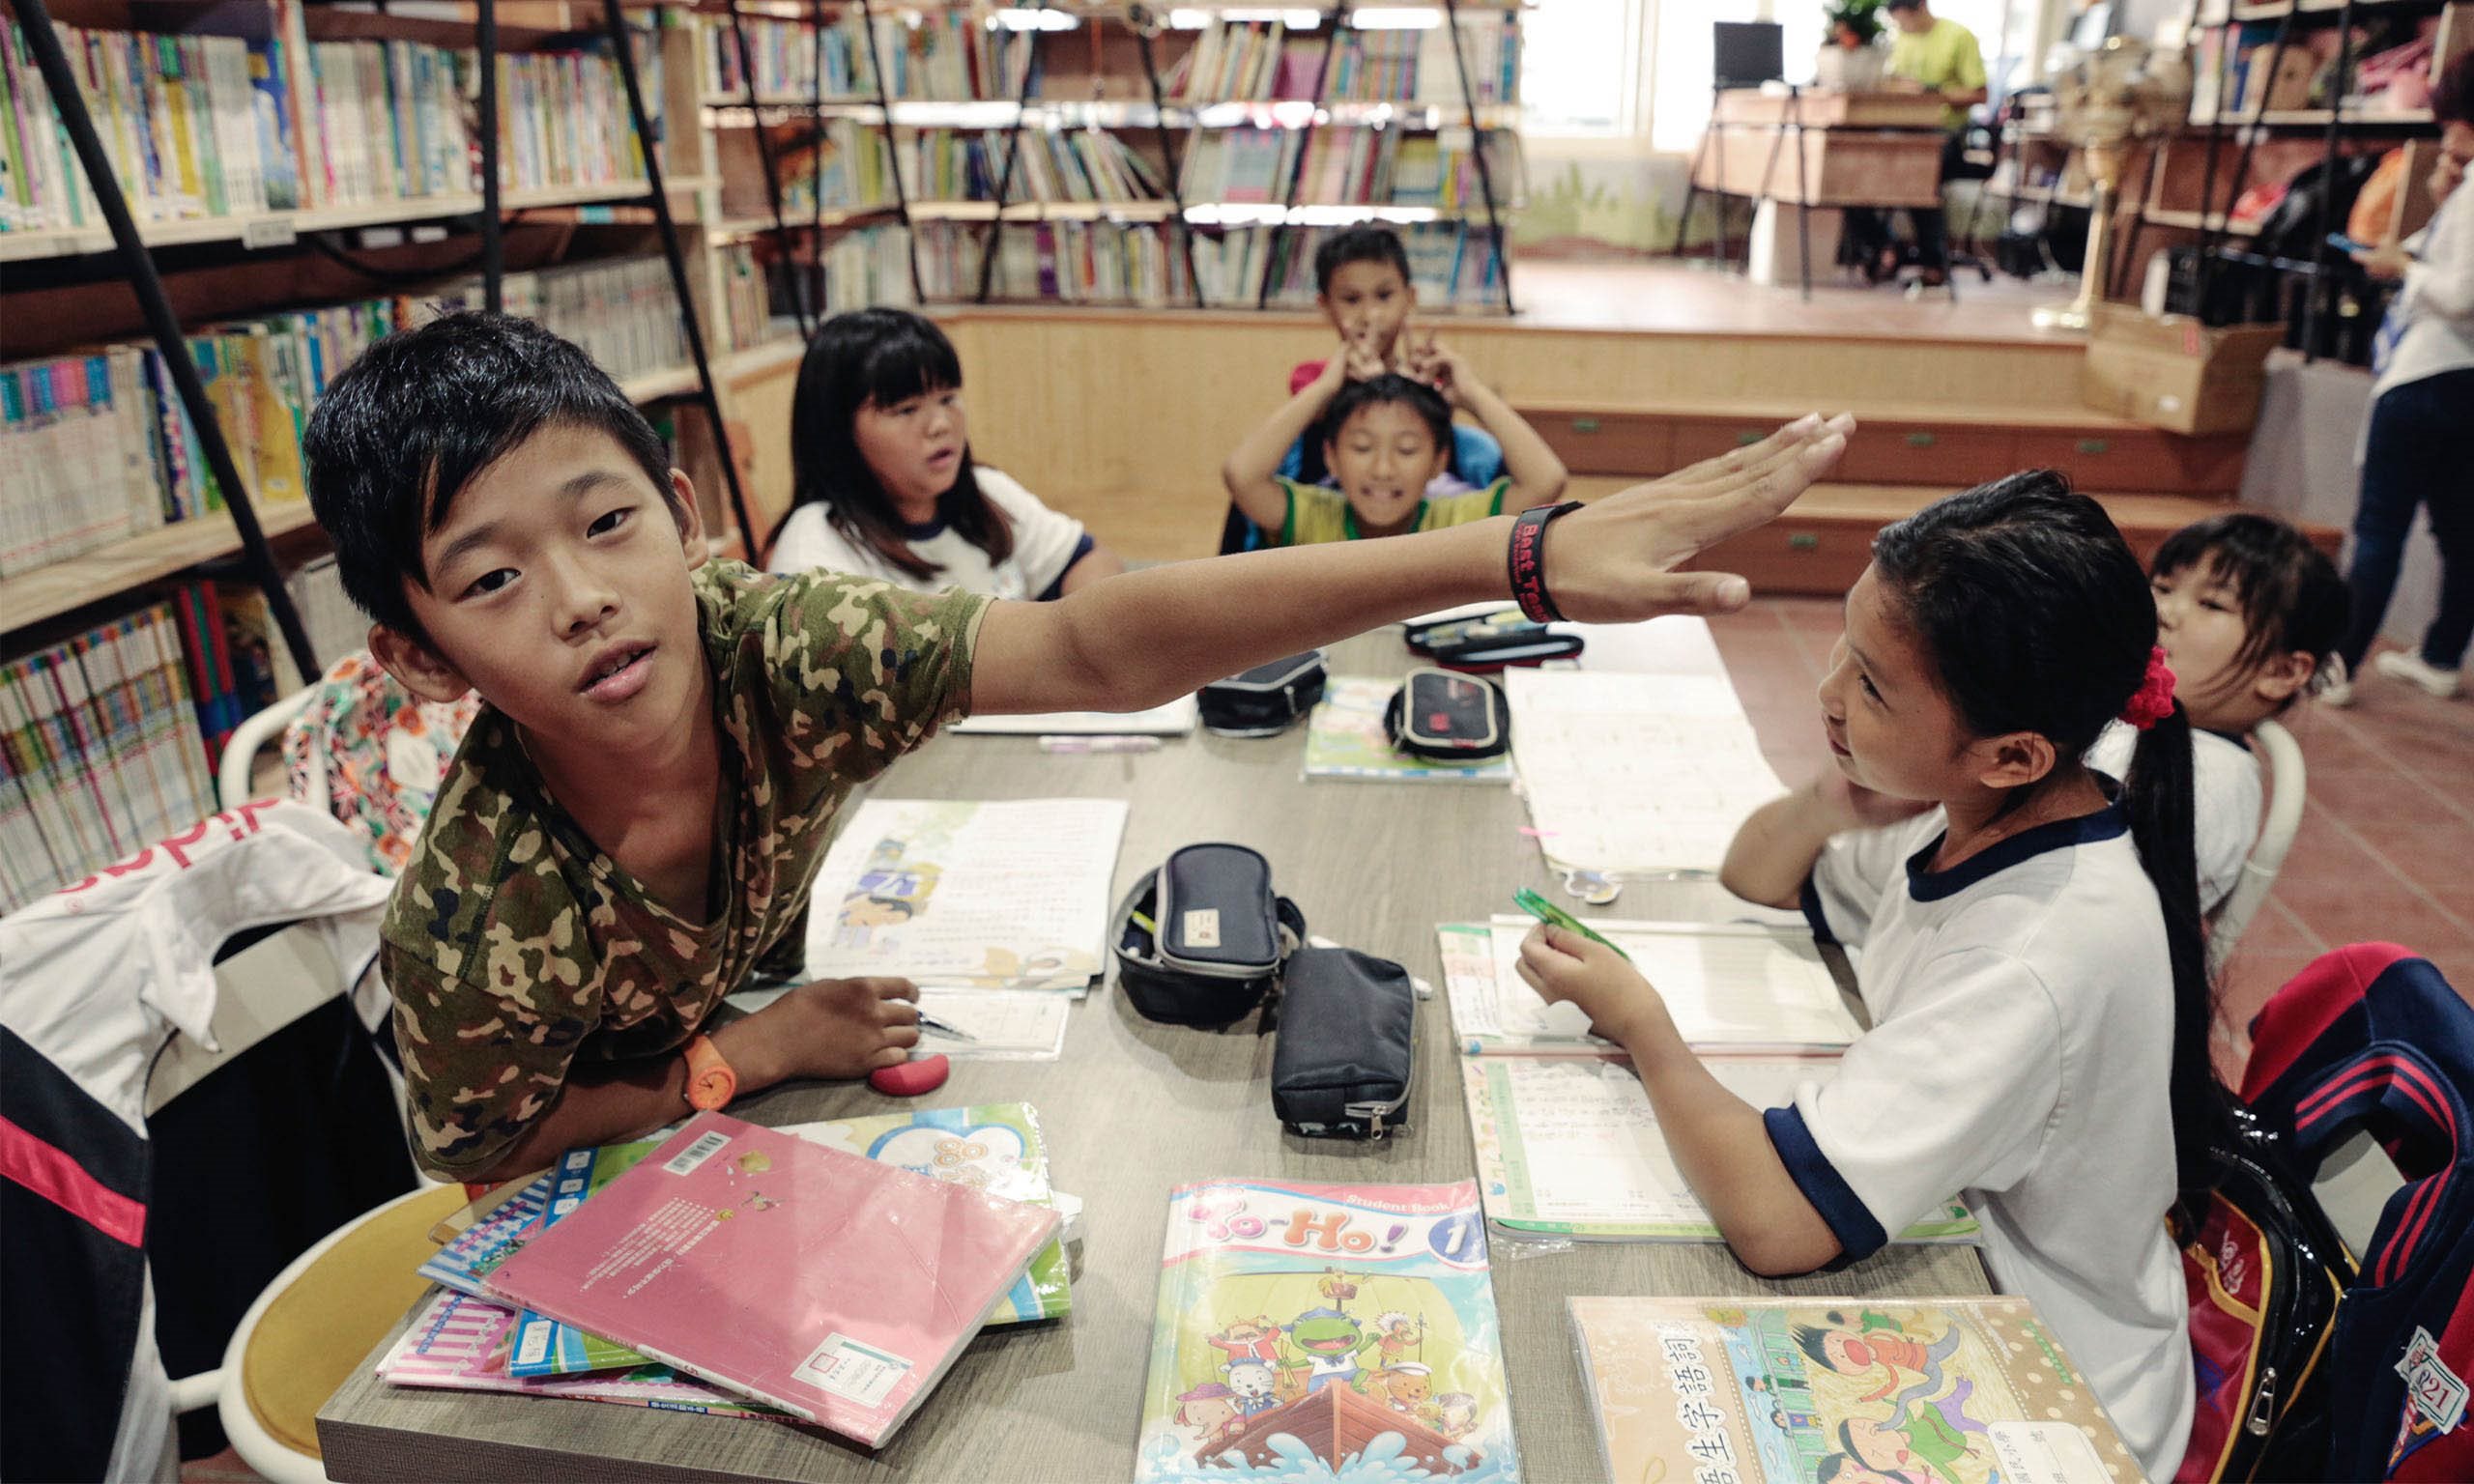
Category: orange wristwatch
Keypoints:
(711, 1084)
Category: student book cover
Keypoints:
(1841, 1392)
(835, 1287)
(1309, 1332)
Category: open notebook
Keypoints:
(1568, 1142)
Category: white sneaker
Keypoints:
(2407, 666)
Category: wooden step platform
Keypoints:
(1900, 443)
(1821, 545)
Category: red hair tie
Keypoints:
(2153, 701)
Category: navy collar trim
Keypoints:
(2236, 738)
(1925, 884)
(928, 531)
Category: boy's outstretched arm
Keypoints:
(1148, 637)
(1249, 469)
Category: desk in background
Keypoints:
(1814, 149)
(1134, 1109)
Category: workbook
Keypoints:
(996, 1148)
(1927, 1390)
(1736, 986)
(968, 895)
(1568, 1142)
(1345, 739)
(1305, 1331)
(1635, 774)
(460, 1343)
(730, 1252)
(1569, 1147)
(464, 1262)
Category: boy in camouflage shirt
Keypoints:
(638, 813)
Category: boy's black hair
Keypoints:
(2292, 599)
(2038, 618)
(879, 357)
(2453, 96)
(1367, 243)
(404, 429)
(1390, 387)
(1900, 5)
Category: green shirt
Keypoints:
(513, 945)
(1318, 513)
(1943, 57)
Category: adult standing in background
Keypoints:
(1937, 56)
(2421, 441)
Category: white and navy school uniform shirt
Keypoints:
(2023, 1028)
(1046, 544)
(2226, 795)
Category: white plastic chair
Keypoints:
(240, 752)
(2276, 836)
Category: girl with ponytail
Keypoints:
(2030, 947)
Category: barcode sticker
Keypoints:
(854, 1372)
(685, 1163)
(267, 232)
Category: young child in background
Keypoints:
(2249, 614)
(638, 813)
(1361, 284)
(1386, 435)
(884, 484)
(2020, 922)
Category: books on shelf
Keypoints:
(725, 1254)
(1069, 261)
(100, 747)
(1350, 167)
(1236, 61)
(942, 55)
(1304, 1327)
(620, 310)
(1809, 1388)
(258, 117)
(1450, 263)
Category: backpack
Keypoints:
(2311, 1365)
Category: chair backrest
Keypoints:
(2276, 836)
(370, 753)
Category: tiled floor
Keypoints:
(2385, 850)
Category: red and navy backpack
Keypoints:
(2315, 1363)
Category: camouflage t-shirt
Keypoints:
(513, 945)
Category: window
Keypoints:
(1581, 67)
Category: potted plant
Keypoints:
(1850, 59)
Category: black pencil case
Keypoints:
(1446, 718)
(1349, 1024)
(1265, 700)
(1488, 654)
(1201, 940)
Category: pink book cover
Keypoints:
(834, 1286)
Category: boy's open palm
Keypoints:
(1613, 561)
(843, 1027)
(1437, 366)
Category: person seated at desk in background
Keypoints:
(1931, 55)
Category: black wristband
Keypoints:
(1527, 561)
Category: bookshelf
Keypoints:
(1142, 158)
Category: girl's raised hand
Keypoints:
(1565, 967)
(1613, 561)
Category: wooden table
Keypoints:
(1134, 1109)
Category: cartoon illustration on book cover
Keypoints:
(891, 888)
(1315, 1334)
(1956, 1392)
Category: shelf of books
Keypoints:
(1238, 137)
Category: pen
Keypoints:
(946, 1029)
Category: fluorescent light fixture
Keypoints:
(1041, 19)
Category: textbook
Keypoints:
(1307, 1330)
(461, 1343)
(476, 1251)
(996, 1148)
(729, 1253)
(1787, 1391)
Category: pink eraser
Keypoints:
(911, 1079)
